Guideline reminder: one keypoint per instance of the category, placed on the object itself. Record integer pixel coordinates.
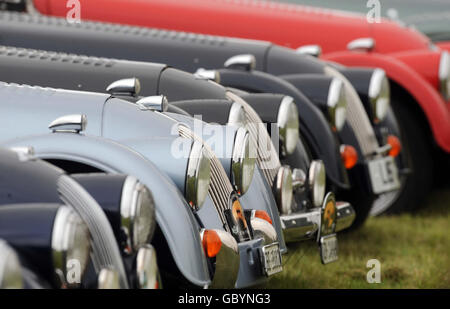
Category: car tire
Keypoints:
(417, 151)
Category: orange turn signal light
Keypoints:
(211, 243)
(261, 214)
(349, 156)
(396, 146)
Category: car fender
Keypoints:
(173, 215)
(444, 45)
(430, 101)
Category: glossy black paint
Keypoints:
(28, 229)
(95, 184)
(212, 111)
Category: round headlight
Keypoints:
(243, 161)
(444, 75)
(70, 245)
(284, 190)
(237, 115)
(147, 268)
(108, 279)
(198, 176)
(137, 211)
(379, 95)
(317, 182)
(10, 268)
(337, 104)
(288, 125)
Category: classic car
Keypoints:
(298, 221)
(418, 72)
(112, 118)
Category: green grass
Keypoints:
(414, 251)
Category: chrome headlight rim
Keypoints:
(237, 115)
(147, 273)
(317, 182)
(10, 268)
(337, 104)
(379, 95)
(288, 125)
(444, 75)
(284, 190)
(68, 230)
(243, 161)
(198, 176)
(137, 212)
(108, 279)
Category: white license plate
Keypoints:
(384, 175)
(271, 259)
(328, 248)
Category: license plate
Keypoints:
(384, 175)
(271, 259)
(328, 248)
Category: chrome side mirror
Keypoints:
(157, 103)
(128, 86)
(69, 124)
(311, 50)
(208, 75)
(362, 44)
(244, 62)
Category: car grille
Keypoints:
(357, 116)
(220, 188)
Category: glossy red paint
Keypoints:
(285, 24)
(444, 46)
(403, 53)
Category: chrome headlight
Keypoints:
(243, 161)
(10, 268)
(288, 125)
(147, 268)
(284, 190)
(444, 75)
(137, 211)
(237, 115)
(379, 95)
(70, 243)
(317, 182)
(108, 279)
(198, 176)
(337, 104)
